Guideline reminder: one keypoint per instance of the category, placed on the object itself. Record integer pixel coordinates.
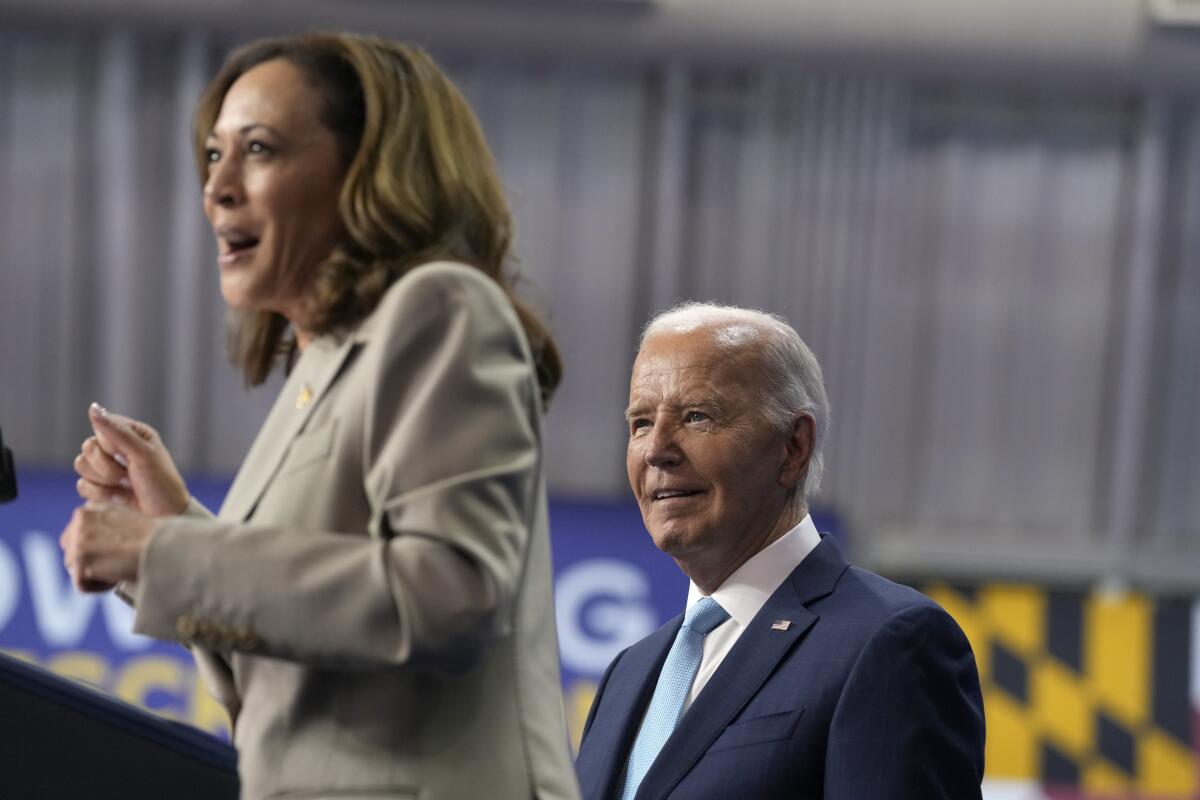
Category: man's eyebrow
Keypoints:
(709, 400)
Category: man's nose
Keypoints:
(662, 447)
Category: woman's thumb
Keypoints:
(116, 436)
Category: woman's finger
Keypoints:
(103, 493)
(98, 466)
(153, 485)
(123, 438)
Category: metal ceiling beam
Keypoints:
(1101, 44)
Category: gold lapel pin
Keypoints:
(781, 624)
(304, 398)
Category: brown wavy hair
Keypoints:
(420, 186)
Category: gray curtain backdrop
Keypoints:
(1000, 282)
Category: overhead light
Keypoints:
(1175, 12)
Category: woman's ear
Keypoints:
(799, 450)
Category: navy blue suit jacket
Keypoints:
(870, 693)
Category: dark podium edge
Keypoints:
(184, 739)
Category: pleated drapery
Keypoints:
(1000, 282)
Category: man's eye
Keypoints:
(695, 416)
(639, 424)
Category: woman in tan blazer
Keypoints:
(373, 602)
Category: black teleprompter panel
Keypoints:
(59, 739)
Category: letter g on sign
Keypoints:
(603, 606)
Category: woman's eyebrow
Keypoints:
(245, 129)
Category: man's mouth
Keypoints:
(673, 494)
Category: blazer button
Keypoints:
(220, 636)
(185, 628)
(206, 632)
(244, 638)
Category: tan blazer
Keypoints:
(373, 603)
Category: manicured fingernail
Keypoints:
(124, 483)
(120, 459)
(99, 409)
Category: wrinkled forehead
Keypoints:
(701, 361)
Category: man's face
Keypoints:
(709, 473)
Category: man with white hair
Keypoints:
(792, 674)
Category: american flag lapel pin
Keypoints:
(781, 624)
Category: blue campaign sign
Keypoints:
(84, 636)
(612, 587)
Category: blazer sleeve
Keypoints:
(909, 724)
(451, 466)
(127, 590)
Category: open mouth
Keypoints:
(234, 244)
(673, 494)
(242, 244)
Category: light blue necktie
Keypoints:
(674, 684)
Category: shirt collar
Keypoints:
(747, 590)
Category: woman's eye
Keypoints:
(258, 147)
(212, 155)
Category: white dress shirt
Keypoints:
(746, 591)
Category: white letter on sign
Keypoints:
(61, 613)
(603, 607)
(10, 586)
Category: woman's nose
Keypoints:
(223, 187)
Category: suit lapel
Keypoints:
(747, 667)
(315, 371)
(625, 699)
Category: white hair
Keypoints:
(789, 374)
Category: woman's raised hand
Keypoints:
(126, 462)
(102, 545)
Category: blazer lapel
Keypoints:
(314, 372)
(751, 661)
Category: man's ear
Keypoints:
(799, 450)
